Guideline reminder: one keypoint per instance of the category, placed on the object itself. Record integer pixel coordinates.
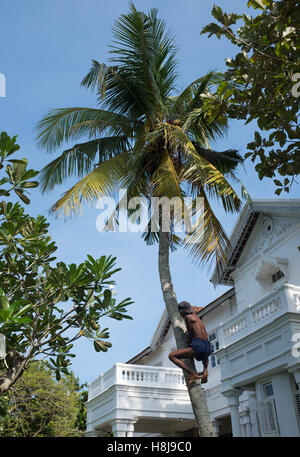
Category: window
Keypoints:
(268, 390)
(266, 409)
(213, 338)
(276, 276)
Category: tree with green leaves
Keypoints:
(45, 308)
(40, 406)
(146, 138)
(262, 83)
(81, 413)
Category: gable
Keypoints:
(281, 213)
(267, 231)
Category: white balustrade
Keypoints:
(297, 301)
(266, 310)
(284, 299)
(137, 375)
(235, 328)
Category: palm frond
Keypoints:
(198, 171)
(225, 161)
(105, 180)
(81, 159)
(96, 77)
(165, 179)
(190, 98)
(196, 123)
(188, 107)
(208, 243)
(144, 55)
(65, 124)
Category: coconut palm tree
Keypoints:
(145, 137)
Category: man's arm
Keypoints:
(189, 320)
(197, 309)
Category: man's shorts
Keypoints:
(202, 348)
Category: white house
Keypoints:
(254, 373)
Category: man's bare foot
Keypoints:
(204, 377)
(193, 377)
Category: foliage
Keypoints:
(142, 136)
(39, 406)
(261, 83)
(82, 392)
(44, 307)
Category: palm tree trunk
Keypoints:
(196, 392)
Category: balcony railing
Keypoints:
(276, 303)
(137, 375)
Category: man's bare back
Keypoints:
(195, 327)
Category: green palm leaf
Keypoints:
(81, 159)
(105, 180)
(66, 124)
(208, 243)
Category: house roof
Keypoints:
(244, 227)
(218, 301)
(140, 355)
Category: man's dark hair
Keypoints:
(186, 307)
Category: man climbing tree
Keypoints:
(199, 346)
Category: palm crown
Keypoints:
(142, 136)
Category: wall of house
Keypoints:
(281, 241)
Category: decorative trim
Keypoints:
(243, 229)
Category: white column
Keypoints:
(216, 425)
(119, 428)
(243, 426)
(285, 405)
(233, 403)
(122, 427)
(247, 423)
(252, 412)
(130, 428)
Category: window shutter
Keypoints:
(267, 417)
(262, 417)
(271, 415)
(297, 399)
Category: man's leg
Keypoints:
(205, 371)
(187, 353)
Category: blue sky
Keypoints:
(46, 49)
